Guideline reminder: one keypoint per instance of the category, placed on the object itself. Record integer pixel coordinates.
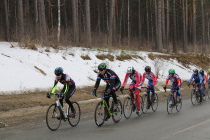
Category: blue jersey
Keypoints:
(197, 78)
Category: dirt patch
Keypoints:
(185, 59)
(123, 57)
(85, 57)
(40, 70)
(107, 56)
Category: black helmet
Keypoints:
(195, 70)
(102, 66)
(148, 69)
(58, 71)
(202, 72)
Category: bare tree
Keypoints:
(6, 21)
(43, 25)
(111, 20)
(159, 36)
(184, 30)
(174, 29)
(59, 20)
(88, 22)
(20, 20)
(194, 23)
(75, 20)
(167, 28)
(163, 21)
(203, 25)
(139, 20)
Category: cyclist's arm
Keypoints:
(55, 86)
(166, 83)
(154, 79)
(179, 82)
(143, 78)
(125, 80)
(65, 88)
(205, 79)
(201, 79)
(137, 79)
(97, 82)
(191, 78)
(112, 82)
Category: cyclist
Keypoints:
(113, 84)
(173, 77)
(208, 75)
(68, 89)
(151, 83)
(204, 77)
(136, 77)
(198, 80)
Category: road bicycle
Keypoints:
(195, 95)
(203, 93)
(175, 102)
(56, 113)
(102, 111)
(148, 102)
(208, 90)
(130, 104)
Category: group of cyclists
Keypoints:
(113, 83)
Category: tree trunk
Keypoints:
(159, 43)
(184, 30)
(163, 22)
(174, 21)
(36, 18)
(203, 25)
(43, 25)
(111, 21)
(156, 25)
(194, 23)
(7, 36)
(59, 21)
(20, 20)
(186, 25)
(75, 21)
(147, 21)
(27, 18)
(88, 23)
(168, 27)
(139, 20)
(128, 23)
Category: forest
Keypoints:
(150, 25)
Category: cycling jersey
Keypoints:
(110, 77)
(204, 77)
(174, 79)
(197, 78)
(151, 77)
(136, 78)
(66, 81)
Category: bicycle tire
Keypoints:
(178, 105)
(73, 121)
(127, 107)
(208, 93)
(99, 110)
(170, 108)
(155, 103)
(141, 105)
(193, 97)
(145, 109)
(119, 111)
(56, 116)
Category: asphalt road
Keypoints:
(192, 123)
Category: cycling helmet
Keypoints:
(195, 70)
(171, 71)
(148, 69)
(58, 71)
(202, 72)
(130, 70)
(102, 66)
(208, 70)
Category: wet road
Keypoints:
(192, 123)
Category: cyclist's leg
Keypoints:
(68, 95)
(148, 93)
(115, 88)
(153, 89)
(177, 91)
(106, 97)
(137, 96)
(199, 90)
(130, 87)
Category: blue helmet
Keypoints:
(58, 71)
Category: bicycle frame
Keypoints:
(107, 108)
(59, 104)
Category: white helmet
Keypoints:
(130, 70)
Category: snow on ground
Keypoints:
(18, 72)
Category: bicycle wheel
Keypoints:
(197, 97)
(53, 117)
(193, 97)
(141, 105)
(145, 109)
(178, 105)
(155, 103)
(99, 114)
(117, 114)
(170, 106)
(74, 120)
(204, 96)
(208, 93)
(127, 107)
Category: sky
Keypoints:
(18, 72)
